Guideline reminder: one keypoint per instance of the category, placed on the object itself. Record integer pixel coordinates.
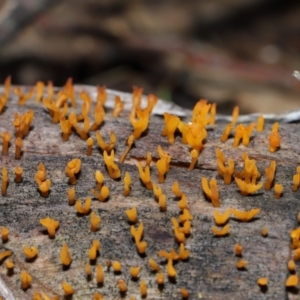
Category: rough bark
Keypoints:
(209, 273)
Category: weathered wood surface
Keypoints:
(210, 272)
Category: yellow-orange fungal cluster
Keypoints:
(18, 147)
(270, 174)
(171, 124)
(241, 264)
(103, 194)
(122, 286)
(296, 180)
(135, 271)
(292, 281)
(89, 143)
(235, 114)
(145, 175)
(274, 138)
(6, 136)
(211, 191)
(4, 96)
(225, 172)
(118, 107)
(18, 174)
(176, 189)
(143, 288)
(243, 133)
(99, 179)
(278, 188)
(5, 181)
(51, 225)
(94, 249)
(226, 133)
(43, 183)
(99, 274)
(246, 179)
(132, 215)
(95, 221)
(247, 188)
(108, 147)
(163, 164)
(127, 182)
(26, 280)
(291, 266)
(67, 288)
(139, 117)
(72, 168)
(260, 124)
(245, 216)
(4, 234)
(238, 249)
(71, 195)
(65, 255)
(5, 254)
(130, 142)
(221, 219)
(193, 134)
(153, 265)
(9, 264)
(30, 252)
(112, 167)
(221, 232)
(262, 281)
(137, 234)
(184, 293)
(85, 208)
(264, 232)
(22, 123)
(117, 266)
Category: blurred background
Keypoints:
(233, 52)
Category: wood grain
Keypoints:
(210, 272)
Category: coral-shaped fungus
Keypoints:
(221, 232)
(211, 191)
(104, 146)
(247, 188)
(85, 208)
(145, 176)
(130, 142)
(5, 180)
(132, 215)
(51, 225)
(134, 271)
(274, 139)
(72, 168)
(270, 174)
(245, 216)
(221, 219)
(226, 172)
(226, 132)
(112, 167)
(102, 195)
(65, 255)
(118, 107)
(260, 124)
(95, 221)
(163, 164)
(30, 252)
(6, 136)
(26, 280)
(127, 182)
(171, 123)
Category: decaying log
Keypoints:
(209, 273)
